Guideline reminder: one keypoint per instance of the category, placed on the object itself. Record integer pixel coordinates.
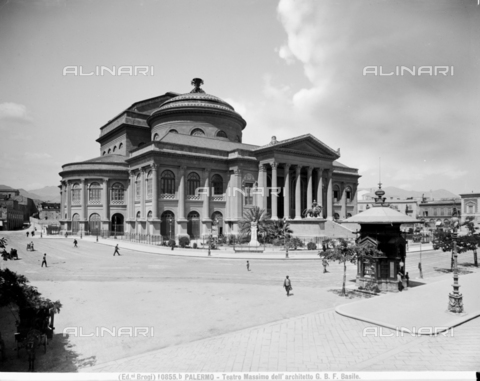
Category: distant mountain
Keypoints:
(49, 193)
(402, 193)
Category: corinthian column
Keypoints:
(286, 191)
(298, 194)
(181, 193)
(261, 187)
(320, 188)
(106, 215)
(274, 194)
(309, 188)
(155, 191)
(329, 195)
(206, 195)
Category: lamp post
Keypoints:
(285, 236)
(421, 240)
(455, 299)
(214, 222)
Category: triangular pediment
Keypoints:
(303, 145)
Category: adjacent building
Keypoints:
(469, 207)
(176, 164)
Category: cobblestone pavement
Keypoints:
(323, 341)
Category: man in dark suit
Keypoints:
(288, 285)
(44, 262)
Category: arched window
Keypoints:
(168, 182)
(221, 134)
(348, 194)
(94, 224)
(118, 194)
(109, 150)
(94, 193)
(217, 184)
(336, 193)
(149, 185)
(75, 223)
(217, 221)
(104, 153)
(138, 214)
(120, 146)
(197, 132)
(336, 216)
(76, 194)
(137, 187)
(173, 131)
(150, 214)
(114, 148)
(156, 137)
(193, 183)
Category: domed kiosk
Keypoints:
(176, 165)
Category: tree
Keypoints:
(264, 224)
(280, 229)
(34, 310)
(343, 253)
(465, 242)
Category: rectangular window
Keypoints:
(349, 196)
(247, 190)
(335, 195)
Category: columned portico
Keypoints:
(274, 193)
(69, 201)
(84, 219)
(298, 193)
(143, 213)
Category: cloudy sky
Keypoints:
(289, 67)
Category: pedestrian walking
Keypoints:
(248, 266)
(116, 250)
(399, 280)
(44, 260)
(407, 279)
(31, 356)
(75, 243)
(325, 264)
(28, 234)
(288, 285)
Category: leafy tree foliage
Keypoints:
(342, 251)
(260, 216)
(465, 242)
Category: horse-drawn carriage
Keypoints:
(12, 255)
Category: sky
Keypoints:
(289, 67)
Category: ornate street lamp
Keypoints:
(285, 236)
(455, 299)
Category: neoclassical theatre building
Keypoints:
(159, 156)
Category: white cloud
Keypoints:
(14, 111)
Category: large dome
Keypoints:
(197, 113)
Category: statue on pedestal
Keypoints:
(315, 211)
(253, 234)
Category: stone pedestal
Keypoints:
(254, 234)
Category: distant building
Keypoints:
(6, 193)
(11, 216)
(49, 211)
(469, 205)
(438, 213)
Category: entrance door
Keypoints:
(167, 226)
(193, 226)
(94, 224)
(117, 224)
(75, 223)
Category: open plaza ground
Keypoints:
(204, 313)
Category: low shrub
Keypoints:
(172, 243)
(184, 241)
(195, 246)
(311, 246)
